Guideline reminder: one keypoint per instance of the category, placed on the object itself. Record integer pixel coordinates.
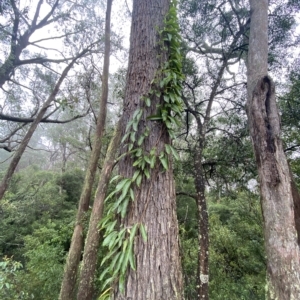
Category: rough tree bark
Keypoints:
(89, 262)
(158, 269)
(18, 154)
(279, 196)
(70, 273)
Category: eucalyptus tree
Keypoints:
(217, 40)
(217, 36)
(143, 238)
(73, 259)
(279, 195)
(32, 78)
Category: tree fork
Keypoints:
(89, 262)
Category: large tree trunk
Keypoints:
(279, 197)
(158, 269)
(70, 273)
(89, 262)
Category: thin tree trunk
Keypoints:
(279, 196)
(18, 154)
(158, 269)
(89, 263)
(203, 228)
(67, 291)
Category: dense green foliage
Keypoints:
(37, 219)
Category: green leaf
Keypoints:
(138, 117)
(152, 161)
(122, 283)
(109, 238)
(110, 195)
(168, 148)
(132, 136)
(174, 152)
(115, 259)
(137, 162)
(126, 259)
(139, 180)
(114, 178)
(136, 113)
(104, 273)
(138, 152)
(132, 260)
(124, 246)
(108, 256)
(153, 151)
(143, 232)
(121, 236)
(147, 130)
(105, 295)
(131, 194)
(118, 264)
(125, 137)
(126, 188)
(135, 125)
(162, 83)
(141, 139)
(132, 233)
(130, 147)
(164, 162)
(124, 207)
(111, 226)
(121, 184)
(128, 125)
(148, 102)
(135, 175)
(147, 159)
(154, 118)
(147, 173)
(108, 282)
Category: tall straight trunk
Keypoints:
(18, 154)
(279, 196)
(203, 229)
(158, 269)
(67, 291)
(85, 288)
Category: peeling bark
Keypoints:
(279, 195)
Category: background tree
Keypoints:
(73, 259)
(280, 198)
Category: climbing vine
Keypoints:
(166, 85)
